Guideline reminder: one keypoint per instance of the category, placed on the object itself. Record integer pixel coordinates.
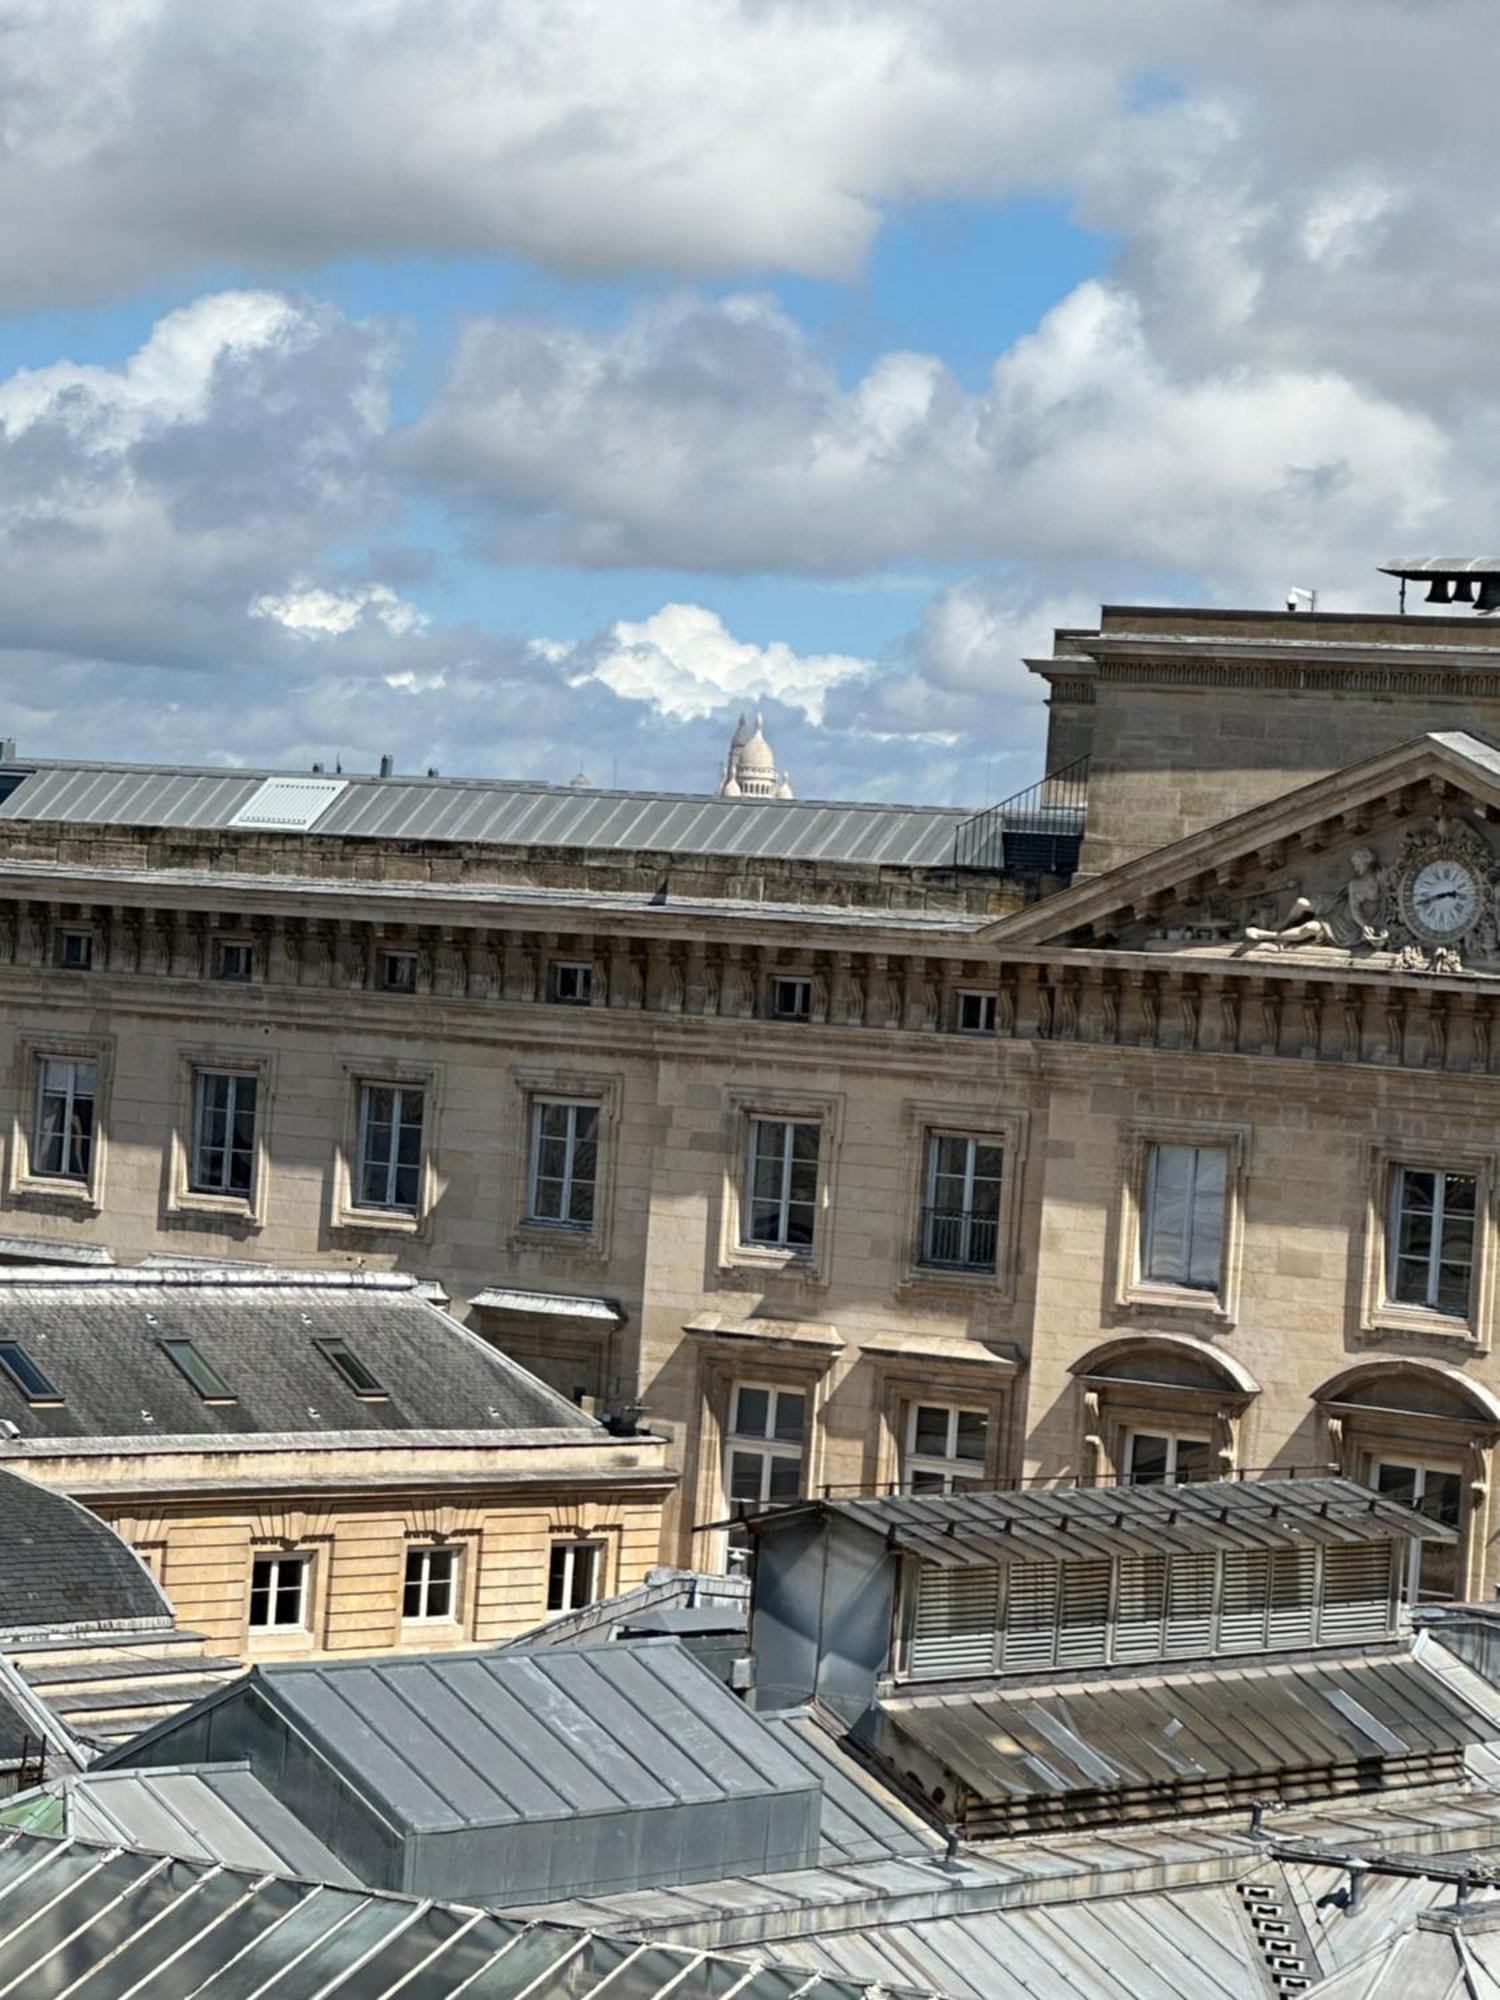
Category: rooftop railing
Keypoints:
(1038, 831)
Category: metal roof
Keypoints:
(113, 1922)
(61, 1567)
(551, 1305)
(1447, 1954)
(1084, 1523)
(1183, 1741)
(498, 812)
(98, 1335)
(862, 1819)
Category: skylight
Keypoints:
(204, 1377)
(33, 1383)
(288, 805)
(353, 1370)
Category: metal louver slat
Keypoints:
(1083, 1626)
(1294, 1603)
(1243, 1599)
(1356, 1593)
(957, 1614)
(1140, 1609)
(1030, 1635)
(1191, 1588)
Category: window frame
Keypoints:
(1380, 1315)
(988, 1009)
(45, 1395)
(950, 1467)
(557, 1084)
(422, 1553)
(24, 1185)
(1139, 1295)
(336, 1351)
(79, 935)
(192, 1206)
(1004, 1126)
(578, 971)
(219, 1396)
(570, 1548)
(235, 1078)
(768, 1448)
(392, 1166)
(70, 1098)
(783, 1200)
(1174, 1438)
(972, 1142)
(540, 1104)
(1395, 1212)
(811, 1265)
(390, 955)
(800, 986)
(276, 1560)
(218, 959)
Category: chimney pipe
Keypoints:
(387, 766)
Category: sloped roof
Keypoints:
(62, 1567)
(497, 812)
(1447, 1954)
(1069, 1525)
(98, 1336)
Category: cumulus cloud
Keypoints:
(685, 663)
(713, 435)
(313, 611)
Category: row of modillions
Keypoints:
(281, 1593)
(568, 983)
(1184, 1211)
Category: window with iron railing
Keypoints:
(961, 1217)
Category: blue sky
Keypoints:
(518, 391)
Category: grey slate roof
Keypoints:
(98, 1336)
(1175, 1742)
(113, 1922)
(61, 1566)
(1095, 1522)
(501, 813)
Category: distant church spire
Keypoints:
(750, 768)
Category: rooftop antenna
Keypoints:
(1297, 596)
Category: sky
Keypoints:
(523, 388)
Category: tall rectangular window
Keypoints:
(763, 1447)
(429, 1588)
(575, 1575)
(390, 1147)
(1430, 1241)
(1182, 1216)
(1166, 1458)
(223, 1133)
(278, 1593)
(63, 1141)
(961, 1218)
(782, 1194)
(944, 1448)
(564, 1162)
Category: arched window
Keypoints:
(1161, 1407)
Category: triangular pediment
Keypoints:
(1392, 862)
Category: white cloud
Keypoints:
(686, 664)
(313, 611)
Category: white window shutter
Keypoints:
(1243, 1599)
(1083, 1626)
(1294, 1600)
(955, 1624)
(1191, 1589)
(1140, 1608)
(1030, 1635)
(1356, 1592)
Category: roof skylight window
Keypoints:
(34, 1384)
(204, 1377)
(355, 1373)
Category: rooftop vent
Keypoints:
(288, 805)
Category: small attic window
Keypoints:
(204, 1377)
(32, 1382)
(365, 1385)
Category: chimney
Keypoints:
(387, 766)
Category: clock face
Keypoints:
(1442, 897)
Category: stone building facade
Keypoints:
(841, 1165)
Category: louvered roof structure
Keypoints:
(1095, 1523)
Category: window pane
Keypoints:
(33, 1383)
(972, 1435)
(411, 1591)
(1397, 1482)
(930, 1431)
(205, 1378)
(786, 1478)
(805, 1144)
(790, 1409)
(1164, 1253)
(745, 1469)
(1194, 1458)
(1149, 1458)
(752, 1412)
(1206, 1251)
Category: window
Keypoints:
(575, 1574)
(572, 985)
(945, 1448)
(1430, 1243)
(763, 1447)
(33, 1384)
(390, 1147)
(961, 1218)
(564, 1162)
(974, 1013)
(1156, 1459)
(63, 1144)
(355, 1373)
(75, 949)
(1437, 1492)
(430, 1589)
(791, 999)
(233, 959)
(398, 971)
(1182, 1216)
(782, 1196)
(223, 1133)
(278, 1593)
(204, 1377)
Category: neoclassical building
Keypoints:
(1141, 1127)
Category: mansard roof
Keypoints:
(62, 1567)
(1454, 759)
(1070, 1525)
